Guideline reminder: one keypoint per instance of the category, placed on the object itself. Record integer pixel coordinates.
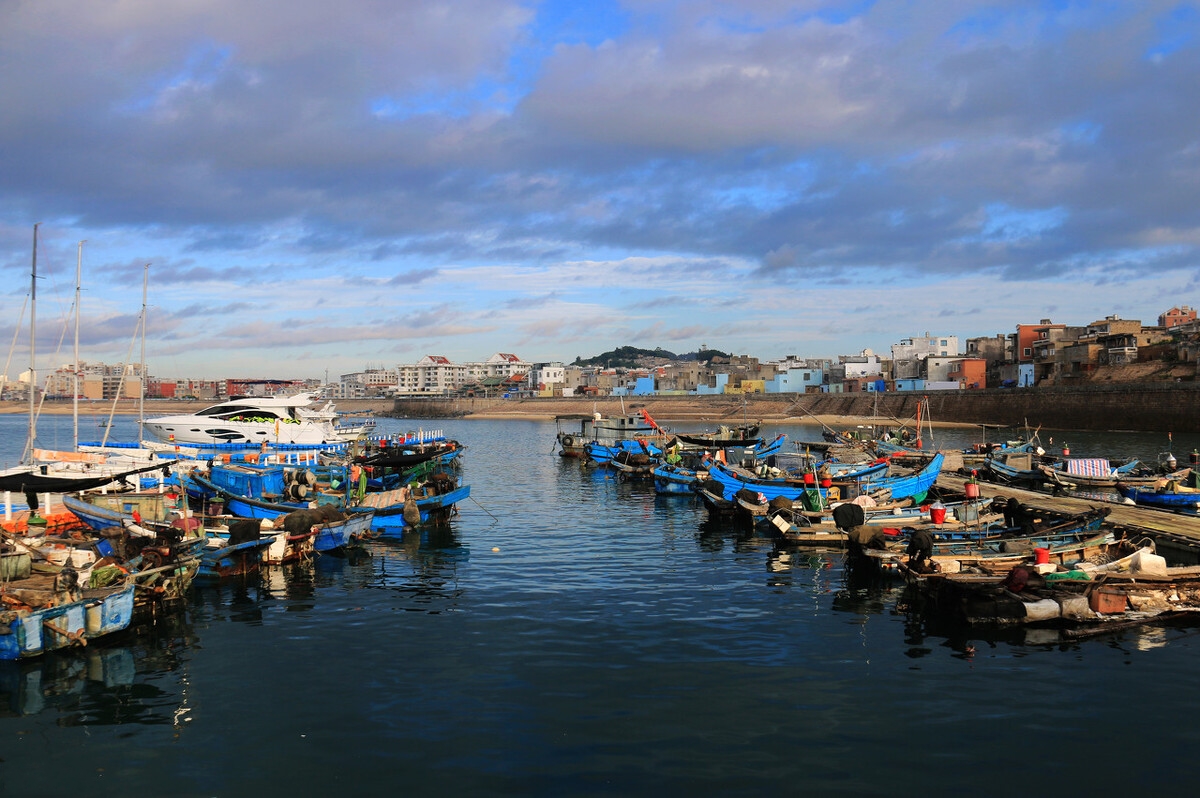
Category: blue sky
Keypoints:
(328, 187)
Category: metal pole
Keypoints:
(75, 379)
(32, 342)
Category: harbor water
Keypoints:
(573, 634)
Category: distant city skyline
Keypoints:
(318, 187)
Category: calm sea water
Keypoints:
(570, 634)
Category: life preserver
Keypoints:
(568, 441)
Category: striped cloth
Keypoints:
(1088, 467)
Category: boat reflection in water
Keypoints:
(105, 685)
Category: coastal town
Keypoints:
(1042, 354)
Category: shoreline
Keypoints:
(680, 414)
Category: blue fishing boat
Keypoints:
(333, 533)
(770, 448)
(602, 453)
(897, 487)
(1171, 496)
(672, 480)
(383, 510)
(793, 485)
(400, 515)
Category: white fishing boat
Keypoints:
(249, 419)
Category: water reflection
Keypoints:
(142, 681)
(422, 567)
(926, 630)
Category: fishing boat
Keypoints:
(221, 560)
(724, 437)
(602, 453)
(1100, 473)
(398, 511)
(256, 420)
(337, 525)
(1016, 467)
(1146, 591)
(1170, 495)
(602, 429)
(48, 612)
(140, 533)
(893, 487)
(674, 480)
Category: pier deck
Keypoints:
(1175, 533)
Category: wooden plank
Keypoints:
(1176, 524)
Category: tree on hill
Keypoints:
(631, 356)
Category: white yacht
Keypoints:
(250, 419)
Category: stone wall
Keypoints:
(1171, 407)
(1147, 407)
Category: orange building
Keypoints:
(1027, 334)
(1176, 316)
(970, 372)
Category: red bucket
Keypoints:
(937, 515)
(1041, 556)
(810, 479)
(825, 483)
(972, 490)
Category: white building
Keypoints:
(546, 376)
(361, 384)
(921, 348)
(864, 365)
(437, 374)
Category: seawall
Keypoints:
(1147, 407)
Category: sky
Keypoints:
(320, 188)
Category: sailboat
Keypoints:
(56, 472)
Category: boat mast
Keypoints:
(32, 341)
(142, 376)
(75, 378)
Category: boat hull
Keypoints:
(68, 625)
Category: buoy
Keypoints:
(495, 548)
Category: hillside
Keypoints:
(1150, 371)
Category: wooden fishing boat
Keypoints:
(724, 437)
(158, 552)
(1100, 473)
(396, 513)
(43, 612)
(223, 560)
(1019, 467)
(633, 465)
(1147, 592)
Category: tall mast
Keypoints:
(142, 376)
(75, 378)
(32, 342)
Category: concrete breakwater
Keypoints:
(1147, 407)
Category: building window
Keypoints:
(1028, 352)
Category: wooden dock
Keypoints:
(1176, 535)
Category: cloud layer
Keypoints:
(326, 187)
